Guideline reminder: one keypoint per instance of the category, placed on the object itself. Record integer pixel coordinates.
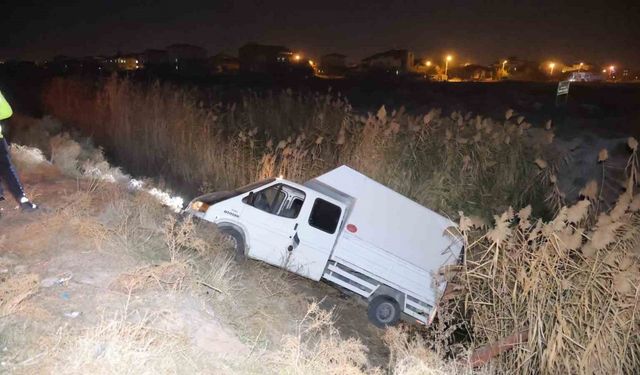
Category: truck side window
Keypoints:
(281, 200)
(269, 199)
(294, 209)
(325, 216)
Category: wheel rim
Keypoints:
(385, 312)
(232, 240)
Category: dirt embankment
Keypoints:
(106, 278)
(90, 283)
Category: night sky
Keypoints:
(606, 32)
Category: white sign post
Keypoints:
(563, 92)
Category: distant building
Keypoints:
(578, 67)
(472, 72)
(157, 61)
(61, 64)
(188, 60)
(223, 63)
(333, 64)
(18, 67)
(585, 77)
(155, 57)
(128, 62)
(179, 52)
(91, 64)
(260, 58)
(522, 70)
(399, 61)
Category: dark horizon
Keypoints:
(473, 31)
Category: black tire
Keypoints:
(383, 311)
(238, 243)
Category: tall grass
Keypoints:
(449, 163)
(566, 290)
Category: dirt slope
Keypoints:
(106, 279)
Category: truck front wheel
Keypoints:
(383, 311)
(237, 241)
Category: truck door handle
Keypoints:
(296, 240)
(295, 227)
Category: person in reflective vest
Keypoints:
(8, 172)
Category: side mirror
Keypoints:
(250, 198)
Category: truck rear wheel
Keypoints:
(237, 241)
(383, 311)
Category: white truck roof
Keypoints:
(390, 221)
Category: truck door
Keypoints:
(270, 218)
(314, 236)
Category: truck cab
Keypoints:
(279, 222)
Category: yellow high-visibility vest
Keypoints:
(5, 111)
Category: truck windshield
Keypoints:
(219, 196)
(255, 185)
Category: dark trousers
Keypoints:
(8, 172)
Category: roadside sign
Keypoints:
(562, 95)
(563, 88)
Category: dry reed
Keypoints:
(445, 162)
(569, 284)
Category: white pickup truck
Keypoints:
(345, 228)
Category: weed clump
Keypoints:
(14, 290)
(556, 296)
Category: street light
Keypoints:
(297, 57)
(428, 63)
(580, 68)
(446, 66)
(551, 66)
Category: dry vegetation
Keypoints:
(565, 289)
(16, 290)
(450, 163)
(562, 291)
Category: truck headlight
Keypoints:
(199, 206)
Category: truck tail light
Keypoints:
(199, 206)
